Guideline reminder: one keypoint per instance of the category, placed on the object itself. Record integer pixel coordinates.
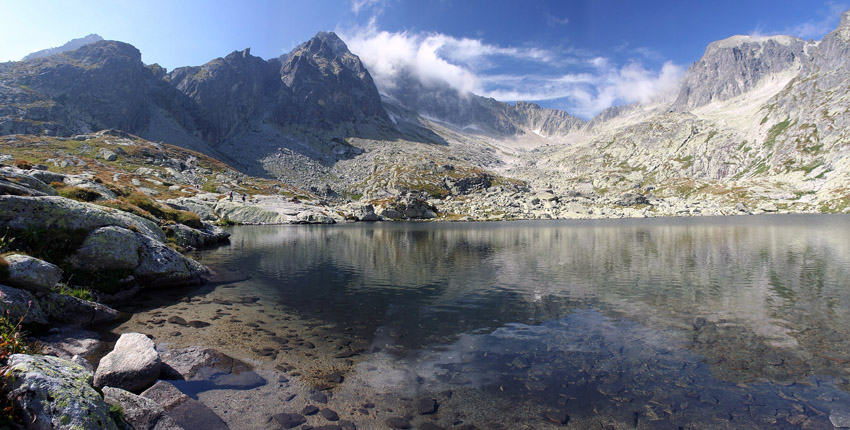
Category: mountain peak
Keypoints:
(70, 46)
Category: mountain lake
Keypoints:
(714, 322)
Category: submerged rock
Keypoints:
(54, 393)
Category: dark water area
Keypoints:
(737, 322)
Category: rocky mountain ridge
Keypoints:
(758, 122)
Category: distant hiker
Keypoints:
(231, 196)
(243, 198)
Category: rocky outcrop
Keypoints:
(733, 66)
(53, 393)
(133, 364)
(139, 412)
(161, 266)
(31, 273)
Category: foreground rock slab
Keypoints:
(133, 364)
(53, 393)
(140, 412)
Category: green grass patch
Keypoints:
(774, 132)
(76, 193)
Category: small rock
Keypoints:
(347, 425)
(309, 410)
(430, 426)
(198, 324)
(398, 423)
(319, 397)
(289, 421)
(330, 415)
(177, 320)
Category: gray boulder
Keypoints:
(31, 273)
(109, 247)
(161, 266)
(73, 311)
(140, 412)
(215, 369)
(20, 303)
(132, 365)
(53, 393)
(60, 213)
(107, 155)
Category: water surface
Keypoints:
(737, 322)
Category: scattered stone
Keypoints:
(330, 414)
(398, 423)
(177, 320)
(335, 377)
(319, 397)
(55, 393)
(426, 406)
(133, 364)
(430, 426)
(521, 363)
(288, 421)
(310, 410)
(165, 394)
(347, 425)
(198, 324)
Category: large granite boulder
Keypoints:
(247, 214)
(20, 303)
(31, 273)
(52, 393)
(53, 212)
(140, 412)
(110, 248)
(133, 364)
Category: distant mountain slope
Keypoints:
(70, 46)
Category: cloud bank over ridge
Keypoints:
(575, 81)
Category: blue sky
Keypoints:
(581, 56)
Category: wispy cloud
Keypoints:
(813, 28)
(359, 5)
(554, 21)
(586, 84)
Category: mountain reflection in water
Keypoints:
(741, 321)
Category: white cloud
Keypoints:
(464, 64)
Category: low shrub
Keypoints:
(78, 193)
